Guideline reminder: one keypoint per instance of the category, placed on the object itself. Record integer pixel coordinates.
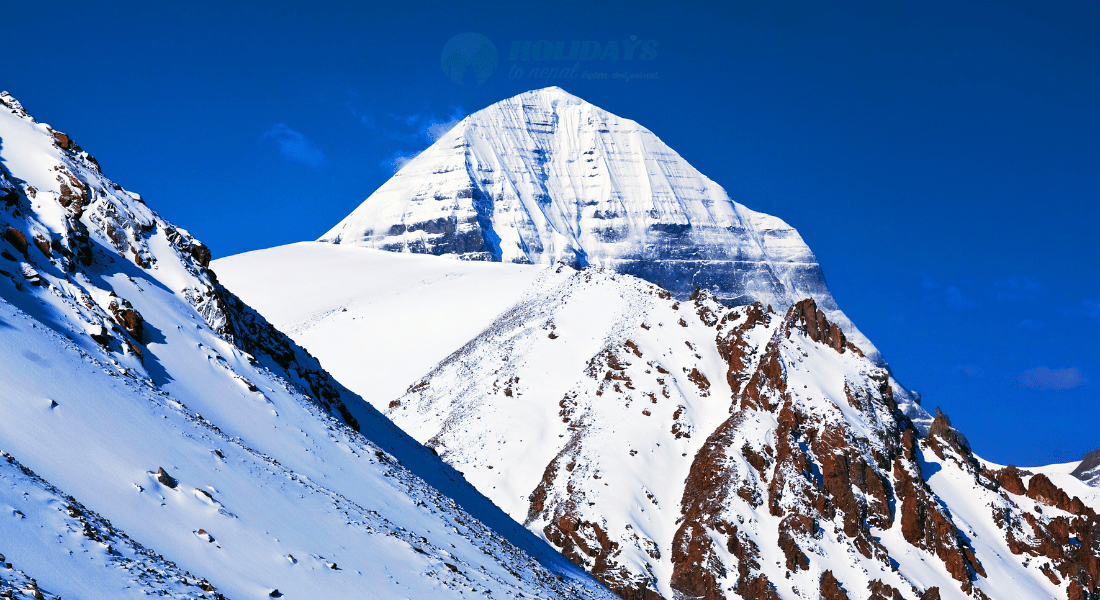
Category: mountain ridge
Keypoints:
(796, 458)
(544, 177)
(139, 433)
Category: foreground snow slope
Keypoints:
(159, 435)
(545, 177)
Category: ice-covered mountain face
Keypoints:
(680, 449)
(160, 437)
(546, 177)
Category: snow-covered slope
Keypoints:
(160, 436)
(546, 177)
(376, 320)
(681, 449)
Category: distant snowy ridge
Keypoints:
(545, 177)
(155, 426)
(1088, 470)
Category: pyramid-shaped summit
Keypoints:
(545, 176)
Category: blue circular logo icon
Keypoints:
(467, 51)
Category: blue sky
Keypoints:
(940, 158)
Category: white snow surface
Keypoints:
(528, 392)
(545, 177)
(376, 320)
(535, 396)
(268, 490)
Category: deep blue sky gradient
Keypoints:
(940, 158)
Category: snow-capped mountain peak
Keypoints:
(545, 176)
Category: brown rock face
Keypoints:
(882, 591)
(733, 348)
(575, 538)
(932, 593)
(941, 428)
(43, 246)
(16, 239)
(792, 525)
(1010, 480)
(201, 253)
(819, 472)
(165, 479)
(1071, 543)
(696, 564)
(1042, 489)
(700, 380)
(830, 588)
(808, 317)
(767, 387)
(74, 193)
(63, 140)
(924, 524)
(128, 318)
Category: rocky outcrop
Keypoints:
(587, 544)
(165, 479)
(1071, 544)
(127, 317)
(812, 321)
(822, 471)
(201, 254)
(1010, 479)
(17, 239)
(797, 459)
(883, 591)
(830, 588)
(1041, 489)
(246, 328)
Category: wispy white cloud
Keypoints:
(295, 146)
(1017, 288)
(952, 294)
(1046, 379)
(970, 293)
(398, 160)
(438, 129)
(414, 129)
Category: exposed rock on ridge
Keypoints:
(800, 472)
